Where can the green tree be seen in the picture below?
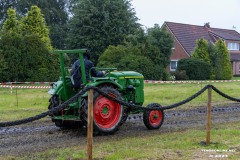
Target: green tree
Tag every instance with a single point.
(10, 44)
(127, 57)
(11, 24)
(148, 53)
(97, 24)
(160, 45)
(4, 6)
(34, 23)
(193, 69)
(3, 65)
(156, 45)
(56, 15)
(10, 40)
(201, 50)
(25, 54)
(40, 64)
(222, 65)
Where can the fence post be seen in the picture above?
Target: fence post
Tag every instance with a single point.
(209, 106)
(90, 124)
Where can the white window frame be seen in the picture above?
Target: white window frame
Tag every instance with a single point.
(233, 46)
(173, 69)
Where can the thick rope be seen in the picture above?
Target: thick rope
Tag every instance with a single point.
(84, 90)
(44, 114)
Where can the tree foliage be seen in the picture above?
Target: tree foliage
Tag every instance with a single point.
(126, 57)
(3, 65)
(217, 55)
(194, 69)
(97, 24)
(222, 65)
(202, 50)
(54, 11)
(159, 45)
(147, 53)
(34, 23)
(24, 53)
(11, 24)
(4, 6)
(155, 44)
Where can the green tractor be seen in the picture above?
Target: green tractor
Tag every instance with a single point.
(108, 115)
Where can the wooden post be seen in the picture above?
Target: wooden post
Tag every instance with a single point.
(90, 124)
(209, 106)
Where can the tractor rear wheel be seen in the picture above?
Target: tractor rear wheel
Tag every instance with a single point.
(153, 119)
(107, 113)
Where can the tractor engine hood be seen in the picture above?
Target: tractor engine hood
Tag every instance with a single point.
(125, 75)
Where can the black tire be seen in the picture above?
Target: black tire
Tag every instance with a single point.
(107, 114)
(63, 124)
(153, 119)
(68, 124)
(54, 102)
(125, 115)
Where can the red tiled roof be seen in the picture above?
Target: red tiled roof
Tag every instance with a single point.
(226, 34)
(187, 34)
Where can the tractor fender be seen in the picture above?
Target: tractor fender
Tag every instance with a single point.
(57, 87)
(105, 83)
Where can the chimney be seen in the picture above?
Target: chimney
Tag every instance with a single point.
(207, 25)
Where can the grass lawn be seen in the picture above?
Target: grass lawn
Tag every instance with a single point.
(185, 144)
(167, 94)
(22, 103)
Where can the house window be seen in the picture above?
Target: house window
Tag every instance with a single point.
(173, 65)
(233, 46)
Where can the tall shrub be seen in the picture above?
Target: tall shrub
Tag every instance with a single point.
(129, 58)
(25, 52)
(201, 50)
(194, 69)
(222, 65)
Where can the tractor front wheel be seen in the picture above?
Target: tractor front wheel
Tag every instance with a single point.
(54, 102)
(153, 119)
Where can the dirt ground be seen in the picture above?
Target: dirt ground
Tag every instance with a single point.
(42, 135)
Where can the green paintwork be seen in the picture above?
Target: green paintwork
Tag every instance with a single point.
(129, 83)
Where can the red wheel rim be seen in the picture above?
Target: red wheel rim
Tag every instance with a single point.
(155, 117)
(106, 112)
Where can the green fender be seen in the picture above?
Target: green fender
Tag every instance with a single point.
(105, 83)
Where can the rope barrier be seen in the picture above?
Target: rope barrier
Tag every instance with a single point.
(44, 114)
(74, 98)
(30, 87)
(10, 83)
(145, 81)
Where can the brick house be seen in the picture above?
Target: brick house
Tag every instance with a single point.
(185, 36)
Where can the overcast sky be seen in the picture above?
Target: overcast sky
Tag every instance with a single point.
(220, 13)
